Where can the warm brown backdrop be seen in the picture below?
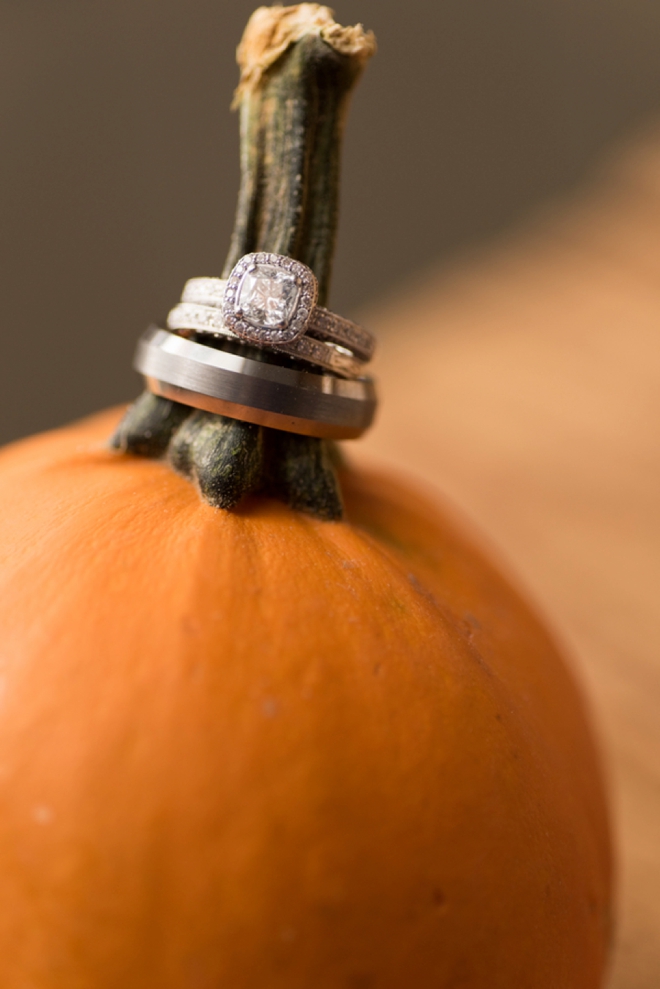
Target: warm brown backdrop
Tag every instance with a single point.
(118, 170)
(531, 394)
(527, 382)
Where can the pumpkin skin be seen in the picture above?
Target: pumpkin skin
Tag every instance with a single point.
(251, 749)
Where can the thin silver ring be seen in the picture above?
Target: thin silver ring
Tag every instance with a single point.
(255, 391)
(210, 320)
(323, 324)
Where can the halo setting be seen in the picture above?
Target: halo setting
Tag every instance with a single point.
(269, 299)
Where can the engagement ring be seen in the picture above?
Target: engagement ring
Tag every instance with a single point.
(270, 301)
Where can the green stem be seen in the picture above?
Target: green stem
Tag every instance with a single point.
(292, 119)
(291, 129)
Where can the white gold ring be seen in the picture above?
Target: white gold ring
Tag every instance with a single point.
(256, 391)
(211, 320)
(270, 300)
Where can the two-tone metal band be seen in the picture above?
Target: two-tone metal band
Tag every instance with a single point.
(255, 391)
(323, 324)
(209, 319)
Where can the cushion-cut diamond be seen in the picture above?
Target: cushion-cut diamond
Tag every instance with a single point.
(268, 296)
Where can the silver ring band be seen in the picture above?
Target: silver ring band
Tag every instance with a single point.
(255, 391)
(323, 324)
(210, 319)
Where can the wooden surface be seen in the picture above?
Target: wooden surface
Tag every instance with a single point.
(525, 384)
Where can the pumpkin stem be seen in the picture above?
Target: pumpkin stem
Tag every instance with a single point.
(298, 68)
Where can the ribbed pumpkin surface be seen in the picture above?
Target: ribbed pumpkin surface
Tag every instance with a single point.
(256, 750)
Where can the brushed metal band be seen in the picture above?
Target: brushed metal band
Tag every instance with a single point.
(323, 324)
(210, 320)
(255, 391)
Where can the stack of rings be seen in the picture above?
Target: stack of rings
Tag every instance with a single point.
(269, 302)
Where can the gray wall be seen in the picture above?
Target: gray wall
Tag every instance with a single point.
(118, 171)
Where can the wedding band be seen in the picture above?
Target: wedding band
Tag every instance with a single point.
(270, 300)
(255, 391)
(323, 324)
(210, 320)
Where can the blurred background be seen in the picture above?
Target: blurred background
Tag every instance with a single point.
(500, 231)
(119, 168)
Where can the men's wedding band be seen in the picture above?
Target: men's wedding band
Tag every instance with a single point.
(313, 404)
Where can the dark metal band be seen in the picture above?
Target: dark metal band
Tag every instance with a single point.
(255, 391)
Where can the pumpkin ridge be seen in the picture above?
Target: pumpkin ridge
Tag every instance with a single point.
(270, 742)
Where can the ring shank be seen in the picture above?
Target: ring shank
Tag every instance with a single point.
(323, 324)
(209, 320)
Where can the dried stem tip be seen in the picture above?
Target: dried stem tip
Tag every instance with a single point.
(271, 30)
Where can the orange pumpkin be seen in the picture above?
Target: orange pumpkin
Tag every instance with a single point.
(254, 750)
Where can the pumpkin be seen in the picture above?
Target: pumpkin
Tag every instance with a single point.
(253, 748)
(246, 743)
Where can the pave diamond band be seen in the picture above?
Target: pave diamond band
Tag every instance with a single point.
(323, 324)
(270, 300)
(240, 387)
(211, 320)
(265, 312)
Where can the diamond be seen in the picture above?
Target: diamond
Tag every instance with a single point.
(268, 303)
(268, 296)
